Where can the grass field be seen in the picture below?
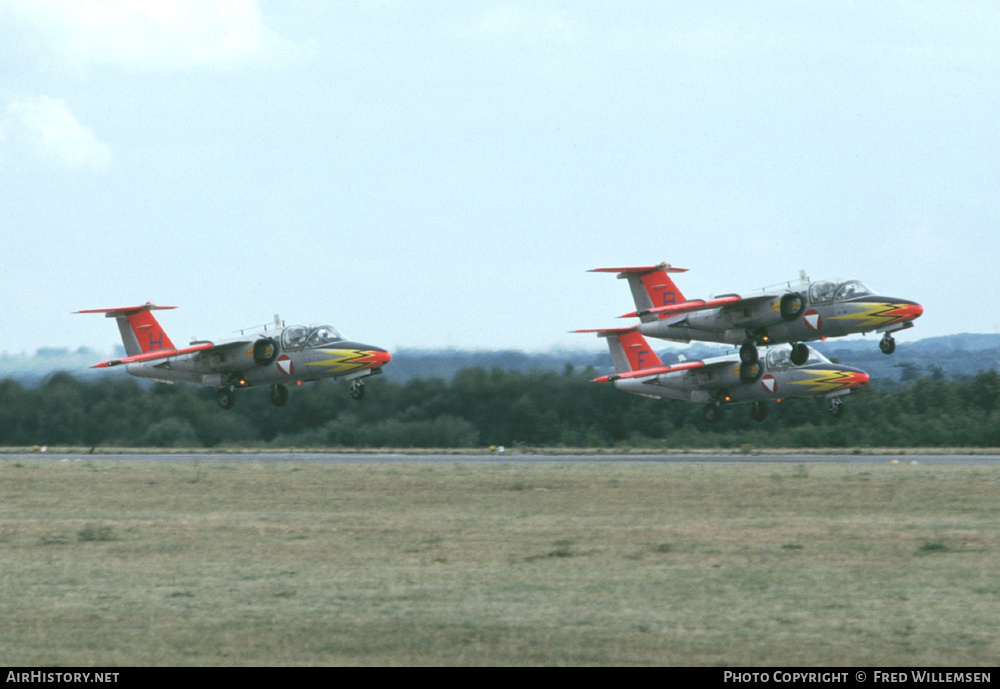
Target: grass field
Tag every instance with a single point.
(249, 563)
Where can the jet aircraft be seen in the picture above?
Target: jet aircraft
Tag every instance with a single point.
(812, 310)
(291, 355)
(719, 380)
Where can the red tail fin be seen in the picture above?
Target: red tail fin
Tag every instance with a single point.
(651, 285)
(629, 349)
(141, 332)
(638, 352)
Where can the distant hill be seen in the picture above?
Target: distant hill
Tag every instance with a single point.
(950, 356)
(32, 369)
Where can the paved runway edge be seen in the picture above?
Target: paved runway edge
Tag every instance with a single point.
(496, 457)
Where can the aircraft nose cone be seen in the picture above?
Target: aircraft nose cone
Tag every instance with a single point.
(890, 310)
(378, 356)
(906, 310)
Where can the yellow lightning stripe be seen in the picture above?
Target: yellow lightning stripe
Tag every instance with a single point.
(874, 315)
(827, 381)
(344, 360)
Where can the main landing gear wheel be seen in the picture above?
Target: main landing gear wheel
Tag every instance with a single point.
(225, 398)
(357, 389)
(279, 395)
(836, 408)
(887, 344)
(800, 353)
(748, 353)
(712, 412)
(758, 411)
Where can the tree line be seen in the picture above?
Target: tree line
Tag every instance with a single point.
(481, 407)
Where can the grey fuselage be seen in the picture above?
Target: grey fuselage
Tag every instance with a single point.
(719, 380)
(830, 309)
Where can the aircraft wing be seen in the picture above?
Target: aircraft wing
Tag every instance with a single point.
(157, 354)
(170, 351)
(653, 371)
(692, 305)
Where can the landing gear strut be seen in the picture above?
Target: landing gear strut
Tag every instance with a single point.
(225, 398)
(836, 408)
(712, 412)
(279, 395)
(750, 368)
(748, 353)
(357, 389)
(887, 344)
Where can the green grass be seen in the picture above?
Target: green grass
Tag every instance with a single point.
(248, 563)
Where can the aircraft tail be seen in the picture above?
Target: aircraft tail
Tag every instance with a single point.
(651, 286)
(629, 350)
(141, 332)
(634, 358)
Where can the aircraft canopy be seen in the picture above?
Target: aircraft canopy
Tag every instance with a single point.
(297, 336)
(841, 290)
(781, 357)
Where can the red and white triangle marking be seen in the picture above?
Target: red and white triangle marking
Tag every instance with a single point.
(769, 383)
(285, 365)
(812, 319)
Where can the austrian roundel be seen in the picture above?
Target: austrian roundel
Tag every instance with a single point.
(285, 365)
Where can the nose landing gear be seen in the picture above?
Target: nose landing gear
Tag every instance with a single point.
(225, 398)
(712, 412)
(357, 389)
(887, 344)
(279, 395)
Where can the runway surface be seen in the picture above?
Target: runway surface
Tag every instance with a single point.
(514, 458)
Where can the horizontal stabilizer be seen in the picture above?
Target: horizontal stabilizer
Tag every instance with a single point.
(606, 332)
(141, 332)
(640, 270)
(127, 310)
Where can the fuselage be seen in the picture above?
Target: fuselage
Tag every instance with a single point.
(828, 308)
(298, 354)
(778, 378)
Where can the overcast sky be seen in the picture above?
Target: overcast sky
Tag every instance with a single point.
(443, 174)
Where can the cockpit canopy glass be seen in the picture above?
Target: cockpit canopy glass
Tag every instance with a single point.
(309, 336)
(781, 357)
(841, 290)
(852, 290)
